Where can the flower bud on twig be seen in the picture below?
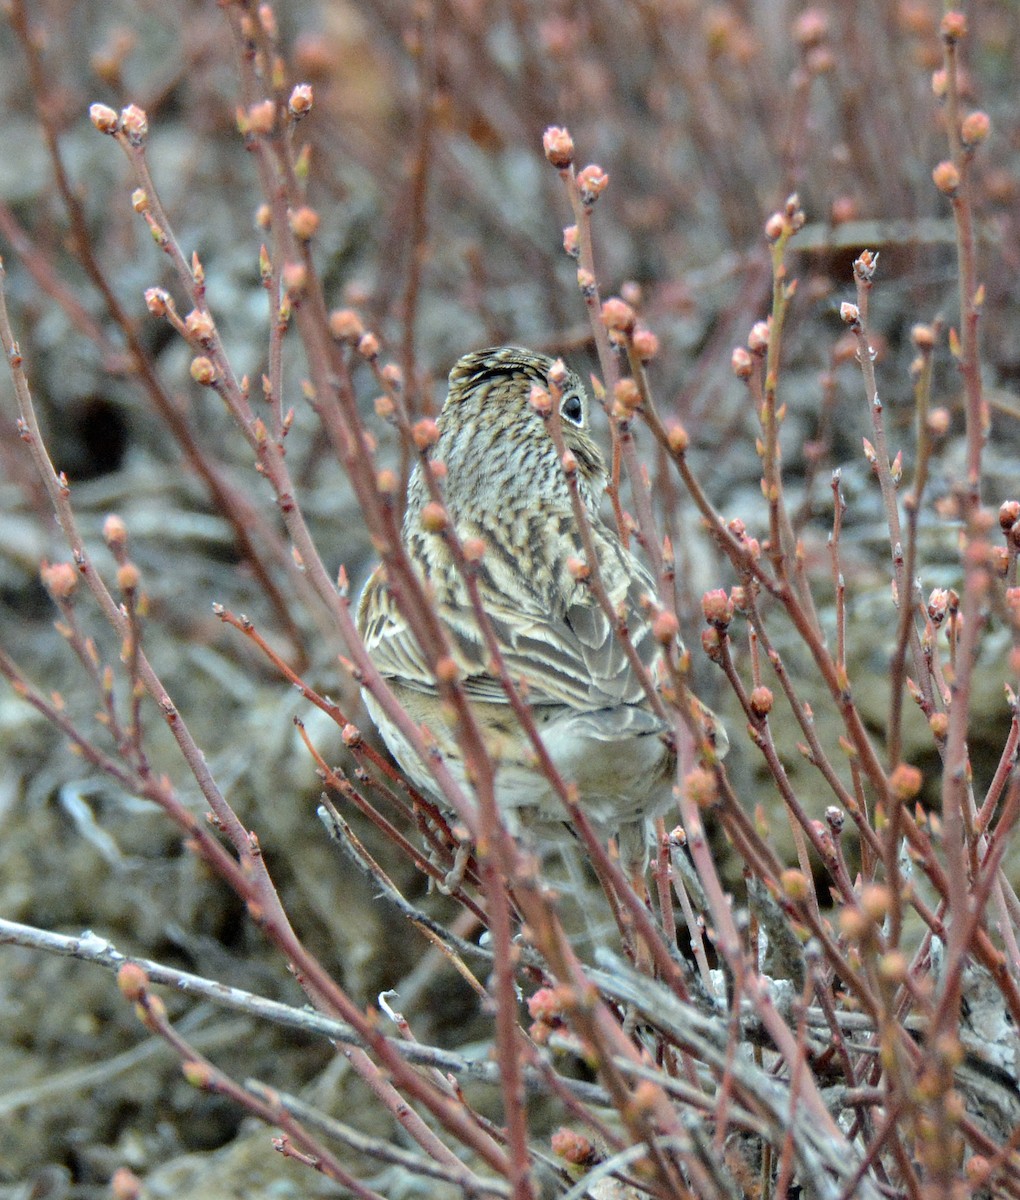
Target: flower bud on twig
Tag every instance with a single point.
(540, 400)
(617, 314)
(203, 371)
(345, 325)
(104, 118)
(975, 129)
(304, 223)
(646, 344)
(558, 146)
(59, 579)
(591, 183)
(434, 518)
(665, 628)
(573, 1147)
(135, 124)
(700, 785)
(717, 608)
(946, 178)
(199, 325)
(300, 102)
(260, 118)
(954, 26)
(115, 533)
(678, 438)
(758, 338)
(741, 362)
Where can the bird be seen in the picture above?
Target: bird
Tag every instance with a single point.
(505, 486)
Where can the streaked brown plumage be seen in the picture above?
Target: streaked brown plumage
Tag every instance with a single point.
(505, 485)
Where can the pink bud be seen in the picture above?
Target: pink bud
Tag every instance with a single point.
(558, 146)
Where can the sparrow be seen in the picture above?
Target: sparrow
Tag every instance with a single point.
(504, 484)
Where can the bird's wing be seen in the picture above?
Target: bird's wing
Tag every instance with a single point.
(566, 649)
(556, 642)
(388, 639)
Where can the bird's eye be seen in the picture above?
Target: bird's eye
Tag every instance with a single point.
(573, 410)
